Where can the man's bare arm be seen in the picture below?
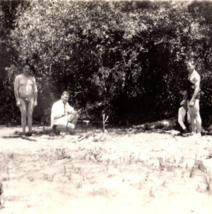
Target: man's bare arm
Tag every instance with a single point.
(181, 118)
(35, 92)
(196, 88)
(16, 87)
(58, 117)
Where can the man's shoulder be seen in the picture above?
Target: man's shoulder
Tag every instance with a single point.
(197, 77)
(32, 77)
(182, 109)
(59, 102)
(19, 76)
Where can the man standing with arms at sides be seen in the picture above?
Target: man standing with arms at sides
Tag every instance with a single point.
(25, 90)
(63, 116)
(193, 98)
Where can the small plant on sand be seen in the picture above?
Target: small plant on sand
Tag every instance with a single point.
(11, 155)
(8, 174)
(161, 164)
(147, 176)
(192, 171)
(1, 192)
(208, 182)
(164, 183)
(64, 170)
(48, 177)
(61, 153)
(151, 194)
(79, 185)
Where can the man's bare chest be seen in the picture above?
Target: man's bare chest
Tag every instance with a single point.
(26, 82)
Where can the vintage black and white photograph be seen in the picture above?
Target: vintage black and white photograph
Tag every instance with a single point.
(105, 107)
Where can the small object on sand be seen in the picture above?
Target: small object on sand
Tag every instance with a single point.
(98, 137)
(86, 122)
(101, 137)
(1, 191)
(209, 156)
(82, 137)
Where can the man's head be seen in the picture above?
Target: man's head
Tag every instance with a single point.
(26, 69)
(65, 96)
(190, 66)
(182, 103)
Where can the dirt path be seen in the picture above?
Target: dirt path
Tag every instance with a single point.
(126, 173)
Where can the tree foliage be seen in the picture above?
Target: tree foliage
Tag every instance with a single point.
(127, 58)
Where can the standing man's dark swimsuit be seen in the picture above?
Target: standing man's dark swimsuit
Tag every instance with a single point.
(190, 90)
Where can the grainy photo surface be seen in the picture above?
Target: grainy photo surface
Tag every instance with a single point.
(105, 107)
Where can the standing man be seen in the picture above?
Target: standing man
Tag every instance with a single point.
(63, 116)
(193, 98)
(25, 90)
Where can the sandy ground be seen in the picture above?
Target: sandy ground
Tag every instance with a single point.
(126, 172)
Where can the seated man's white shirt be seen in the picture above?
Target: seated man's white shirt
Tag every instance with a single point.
(181, 117)
(59, 109)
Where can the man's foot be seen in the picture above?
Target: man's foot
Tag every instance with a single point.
(29, 134)
(204, 132)
(196, 135)
(72, 132)
(185, 133)
(71, 126)
(56, 132)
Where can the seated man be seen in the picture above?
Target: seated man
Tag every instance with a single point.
(63, 116)
(171, 123)
(184, 119)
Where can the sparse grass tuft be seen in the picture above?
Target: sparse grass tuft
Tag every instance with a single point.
(208, 183)
(151, 193)
(11, 155)
(164, 183)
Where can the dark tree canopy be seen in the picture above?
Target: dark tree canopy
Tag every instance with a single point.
(127, 58)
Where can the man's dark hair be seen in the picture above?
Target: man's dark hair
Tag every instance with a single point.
(32, 68)
(26, 64)
(190, 62)
(65, 93)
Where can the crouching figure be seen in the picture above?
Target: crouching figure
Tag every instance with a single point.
(63, 116)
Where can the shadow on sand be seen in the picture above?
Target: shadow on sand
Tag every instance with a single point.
(19, 136)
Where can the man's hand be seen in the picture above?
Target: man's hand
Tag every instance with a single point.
(79, 111)
(35, 103)
(18, 102)
(191, 103)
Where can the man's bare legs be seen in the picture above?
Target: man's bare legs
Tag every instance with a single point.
(196, 122)
(73, 118)
(26, 109)
(30, 113)
(67, 123)
(23, 111)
